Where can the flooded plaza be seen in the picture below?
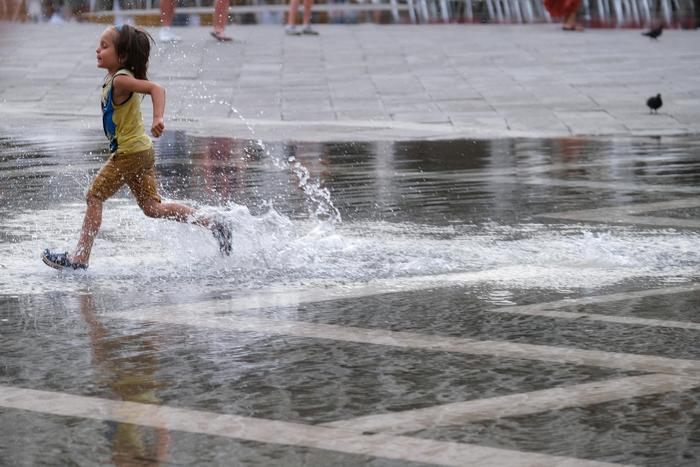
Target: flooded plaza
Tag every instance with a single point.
(461, 302)
(445, 252)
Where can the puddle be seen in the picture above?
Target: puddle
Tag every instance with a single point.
(337, 213)
(452, 226)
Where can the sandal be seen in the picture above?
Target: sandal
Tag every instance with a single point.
(219, 36)
(222, 234)
(60, 261)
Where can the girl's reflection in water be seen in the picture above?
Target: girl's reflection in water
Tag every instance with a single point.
(224, 164)
(129, 365)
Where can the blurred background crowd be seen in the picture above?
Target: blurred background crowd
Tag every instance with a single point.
(592, 13)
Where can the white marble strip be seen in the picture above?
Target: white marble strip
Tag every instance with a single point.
(607, 185)
(524, 179)
(613, 297)
(292, 297)
(641, 208)
(204, 319)
(550, 309)
(629, 214)
(518, 404)
(604, 318)
(278, 432)
(541, 175)
(629, 219)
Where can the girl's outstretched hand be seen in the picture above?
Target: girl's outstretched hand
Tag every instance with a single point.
(158, 126)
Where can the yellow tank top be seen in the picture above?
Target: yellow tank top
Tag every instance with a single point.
(123, 124)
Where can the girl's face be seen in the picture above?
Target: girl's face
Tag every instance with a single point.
(107, 52)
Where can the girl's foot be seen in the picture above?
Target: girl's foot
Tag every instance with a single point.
(60, 261)
(221, 37)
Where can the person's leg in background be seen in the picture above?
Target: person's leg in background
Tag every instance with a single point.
(306, 28)
(220, 20)
(291, 27)
(167, 13)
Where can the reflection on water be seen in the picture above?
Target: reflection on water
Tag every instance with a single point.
(407, 209)
(415, 215)
(128, 364)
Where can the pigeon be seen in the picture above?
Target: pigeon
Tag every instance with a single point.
(654, 103)
(654, 33)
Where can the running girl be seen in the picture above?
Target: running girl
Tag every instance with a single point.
(124, 51)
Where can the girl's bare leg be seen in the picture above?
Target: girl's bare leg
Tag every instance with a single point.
(91, 225)
(182, 213)
(178, 212)
(174, 211)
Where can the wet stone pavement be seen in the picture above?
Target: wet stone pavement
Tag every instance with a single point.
(476, 302)
(397, 300)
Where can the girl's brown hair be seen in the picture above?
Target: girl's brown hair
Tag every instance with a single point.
(133, 48)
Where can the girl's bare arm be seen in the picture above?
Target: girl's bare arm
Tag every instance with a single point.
(125, 85)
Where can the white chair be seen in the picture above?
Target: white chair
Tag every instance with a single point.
(644, 11)
(495, 10)
(469, 10)
(527, 11)
(445, 11)
(619, 13)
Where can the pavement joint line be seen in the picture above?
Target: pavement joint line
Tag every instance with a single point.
(527, 177)
(532, 178)
(459, 413)
(278, 432)
(614, 185)
(629, 214)
(550, 309)
(537, 176)
(436, 343)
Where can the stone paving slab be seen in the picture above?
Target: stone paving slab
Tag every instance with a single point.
(401, 365)
(401, 81)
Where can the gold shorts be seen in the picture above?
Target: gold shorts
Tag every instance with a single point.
(137, 170)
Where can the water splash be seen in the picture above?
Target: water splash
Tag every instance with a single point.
(272, 250)
(317, 196)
